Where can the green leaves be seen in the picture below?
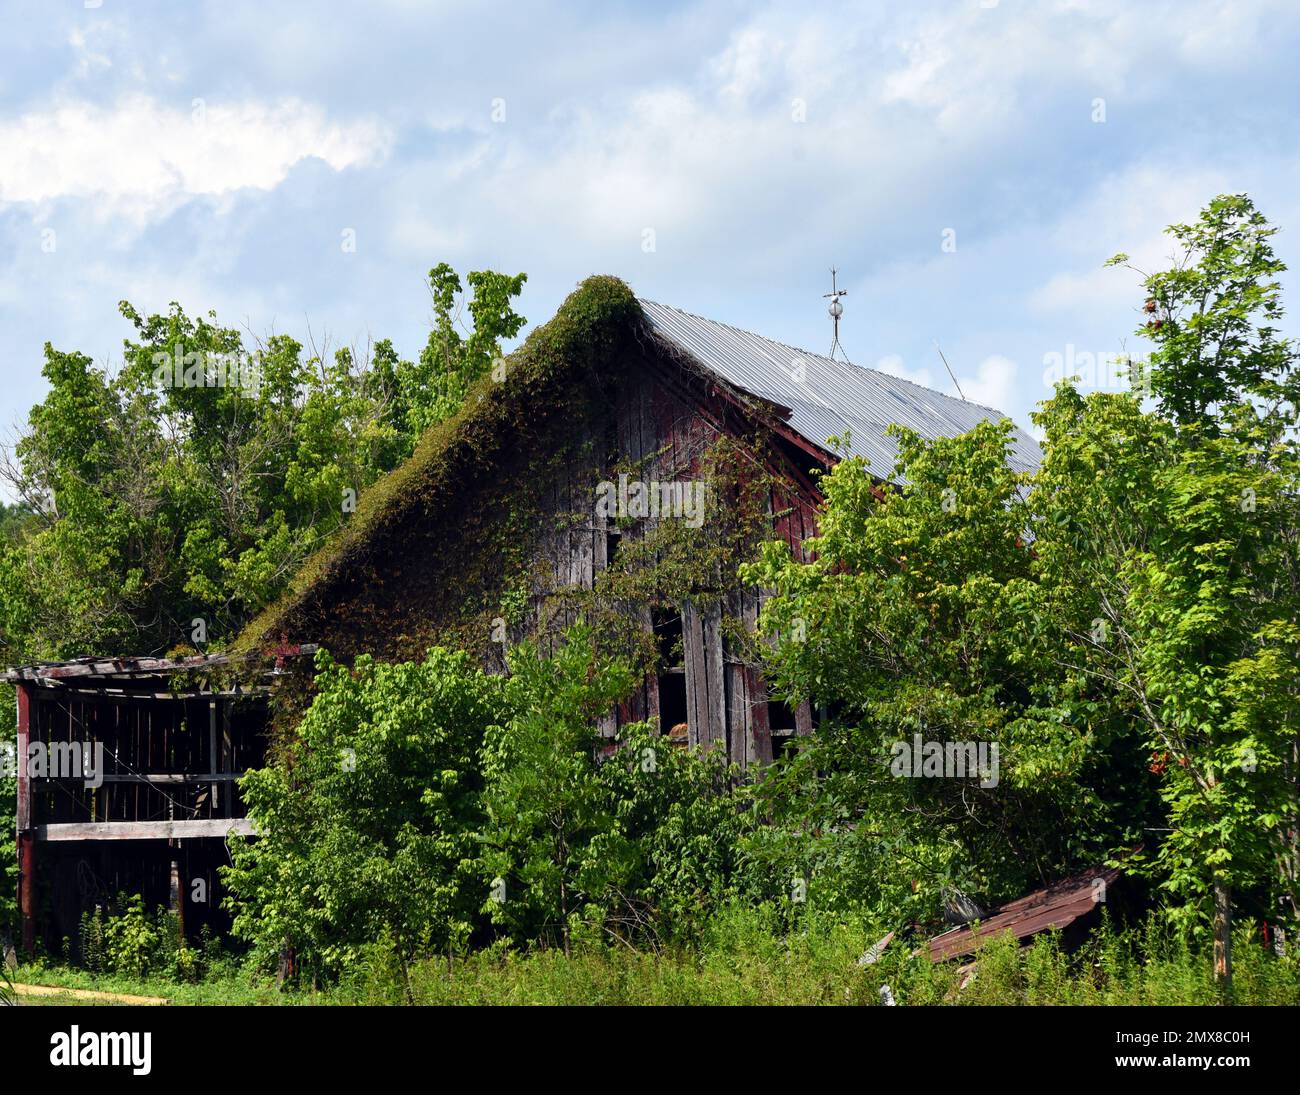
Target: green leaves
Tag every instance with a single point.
(1145, 641)
(922, 616)
(369, 822)
(1177, 529)
(1219, 362)
(428, 804)
(192, 483)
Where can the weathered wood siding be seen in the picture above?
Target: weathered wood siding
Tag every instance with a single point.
(665, 432)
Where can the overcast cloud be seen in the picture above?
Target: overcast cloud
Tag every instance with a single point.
(216, 154)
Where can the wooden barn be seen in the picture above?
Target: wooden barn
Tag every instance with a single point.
(615, 467)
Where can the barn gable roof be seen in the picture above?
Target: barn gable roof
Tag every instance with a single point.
(828, 398)
(571, 353)
(580, 349)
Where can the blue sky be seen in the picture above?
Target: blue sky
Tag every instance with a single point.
(215, 154)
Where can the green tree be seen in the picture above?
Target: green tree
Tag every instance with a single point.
(687, 817)
(421, 394)
(1159, 557)
(1147, 641)
(1168, 540)
(368, 820)
(1219, 361)
(1128, 635)
(191, 483)
(630, 837)
(915, 618)
(553, 849)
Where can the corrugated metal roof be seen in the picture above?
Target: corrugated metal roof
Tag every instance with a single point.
(828, 398)
(1054, 906)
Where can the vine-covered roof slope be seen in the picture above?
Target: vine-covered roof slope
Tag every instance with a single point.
(570, 360)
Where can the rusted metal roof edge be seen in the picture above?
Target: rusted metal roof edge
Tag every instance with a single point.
(1054, 906)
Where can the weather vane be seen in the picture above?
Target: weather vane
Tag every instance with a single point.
(836, 310)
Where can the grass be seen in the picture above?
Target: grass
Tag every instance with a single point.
(739, 967)
(232, 986)
(741, 963)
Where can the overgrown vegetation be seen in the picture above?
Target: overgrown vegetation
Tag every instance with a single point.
(1119, 632)
(746, 957)
(165, 503)
(440, 809)
(1127, 634)
(468, 496)
(131, 941)
(747, 960)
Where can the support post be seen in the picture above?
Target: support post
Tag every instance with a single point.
(227, 758)
(176, 897)
(1223, 937)
(214, 765)
(26, 835)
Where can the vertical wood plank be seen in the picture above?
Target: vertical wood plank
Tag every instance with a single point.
(697, 706)
(715, 703)
(760, 719)
(227, 760)
(737, 724)
(213, 764)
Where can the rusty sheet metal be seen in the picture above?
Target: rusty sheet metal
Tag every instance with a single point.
(1055, 906)
(826, 397)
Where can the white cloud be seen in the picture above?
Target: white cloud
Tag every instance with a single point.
(744, 64)
(993, 384)
(92, 56)
(1127, 211)
(145, 158)
(918, 117)
(893, 365)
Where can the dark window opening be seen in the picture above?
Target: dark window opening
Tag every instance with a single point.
(668, 634)
(672, 705)
(830, 714)
(667, 624)
(782, 721)
(780, 717)
(785, 747)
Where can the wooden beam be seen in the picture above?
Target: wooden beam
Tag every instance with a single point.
(116, 667)
(227, 759)
(53, 692)
(214, 761)
(716, 704)
(176, 897)
(697, 689)
(26, 838)
(125, 668)
(24, 740)
(144, 830)
(168, 777)
(27, 889)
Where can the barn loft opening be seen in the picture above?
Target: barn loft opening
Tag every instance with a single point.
(667, 623)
